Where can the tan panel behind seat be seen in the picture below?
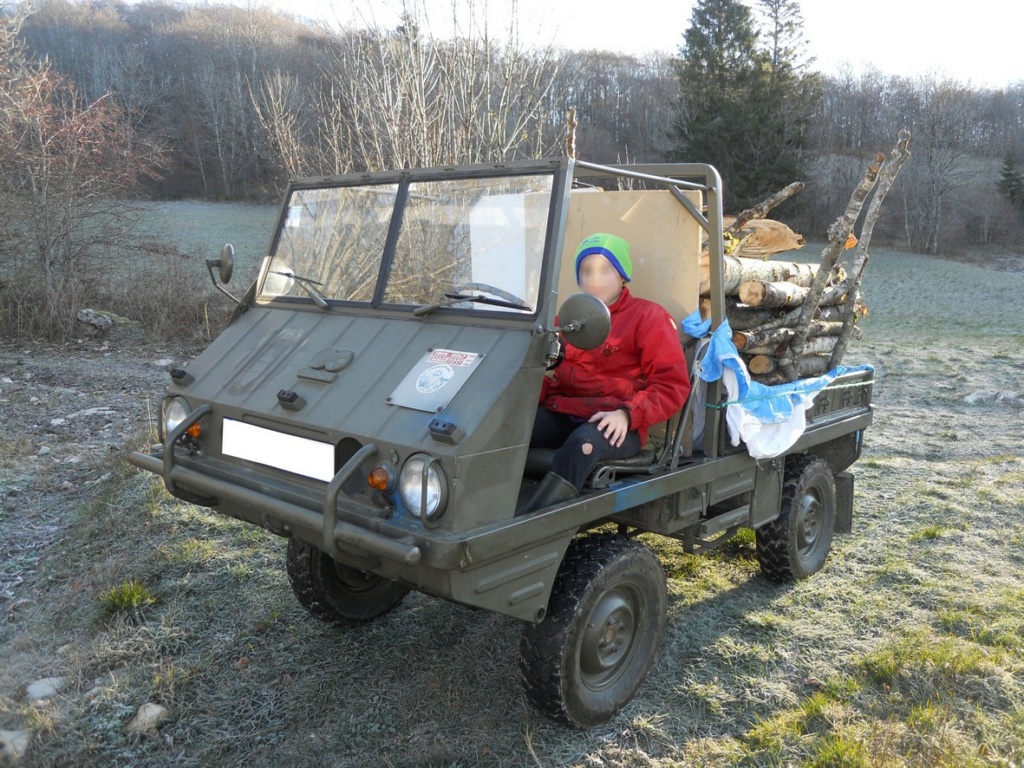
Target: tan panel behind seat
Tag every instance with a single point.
(664, 246)
(664, 243)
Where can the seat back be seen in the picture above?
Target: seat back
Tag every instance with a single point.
(664, 243)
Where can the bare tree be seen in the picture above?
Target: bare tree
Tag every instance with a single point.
(942, 120)
(65, 167)
(403, 98)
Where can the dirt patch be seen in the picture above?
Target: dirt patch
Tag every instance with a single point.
(70, 413)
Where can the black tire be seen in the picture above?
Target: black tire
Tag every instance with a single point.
(796, 544)
(337, 593)
(605, 619)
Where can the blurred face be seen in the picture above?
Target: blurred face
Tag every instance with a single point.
(599, 278)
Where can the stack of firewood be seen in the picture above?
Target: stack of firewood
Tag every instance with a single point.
(792, 320)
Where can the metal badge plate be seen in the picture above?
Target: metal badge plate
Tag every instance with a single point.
(435, 380)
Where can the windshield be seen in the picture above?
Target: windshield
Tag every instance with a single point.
(333, 237)
(460, 237)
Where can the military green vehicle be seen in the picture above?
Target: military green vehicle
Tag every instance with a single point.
(373, 396)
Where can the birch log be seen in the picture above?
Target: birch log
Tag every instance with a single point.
(748, 318)
(838, 235)
(737, 270)
(834, 295)
(772, 350)
(762, 338)
(756, 293)
(812, 365)
(887, 176)
(820, 345)
(761, 210)
(761, 364)
(835, 314)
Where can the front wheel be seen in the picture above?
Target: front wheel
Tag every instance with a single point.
(337, 593)
(796, 543)
(605, 619)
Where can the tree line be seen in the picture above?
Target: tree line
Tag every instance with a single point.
(240, 99)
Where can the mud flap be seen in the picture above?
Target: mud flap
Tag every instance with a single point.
(844, 503)
(766, 501)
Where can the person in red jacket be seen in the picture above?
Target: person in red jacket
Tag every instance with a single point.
(601, 402)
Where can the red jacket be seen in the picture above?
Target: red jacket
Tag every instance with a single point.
(640, 367)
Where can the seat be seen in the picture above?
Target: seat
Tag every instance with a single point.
(671, 446)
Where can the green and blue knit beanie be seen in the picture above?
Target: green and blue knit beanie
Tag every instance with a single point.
(612, 247)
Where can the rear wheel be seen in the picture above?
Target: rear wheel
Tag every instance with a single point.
(337, 593)
(795, 545)
(605, 619)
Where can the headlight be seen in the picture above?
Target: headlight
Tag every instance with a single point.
(175, 411)
(411, 484)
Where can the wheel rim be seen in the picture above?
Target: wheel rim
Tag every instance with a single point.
(353, 579)
(609, 637)
(810, 523)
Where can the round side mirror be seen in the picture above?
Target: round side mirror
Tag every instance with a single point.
(227, 263)
(585, 321)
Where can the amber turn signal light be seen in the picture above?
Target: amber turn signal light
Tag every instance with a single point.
(195, 431)
(380, 479)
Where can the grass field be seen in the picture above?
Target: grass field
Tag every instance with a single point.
(203, 228)
(907, 650)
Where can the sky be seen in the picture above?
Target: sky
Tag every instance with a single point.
(971, 42)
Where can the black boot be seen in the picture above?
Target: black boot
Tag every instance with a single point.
(552, 489)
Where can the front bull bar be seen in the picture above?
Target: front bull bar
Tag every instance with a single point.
(326, 522)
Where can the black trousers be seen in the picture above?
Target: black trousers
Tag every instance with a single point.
(569, 436)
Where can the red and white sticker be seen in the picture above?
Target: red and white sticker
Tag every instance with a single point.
(452, 357)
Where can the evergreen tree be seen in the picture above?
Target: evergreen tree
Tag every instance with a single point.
(782, 26)
(718, 67)
(1011, 180)
(745, 97)
(790, 95)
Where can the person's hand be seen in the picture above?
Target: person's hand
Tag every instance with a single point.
(613, 425)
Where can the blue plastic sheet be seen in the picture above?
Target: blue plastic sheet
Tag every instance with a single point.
(754, 406)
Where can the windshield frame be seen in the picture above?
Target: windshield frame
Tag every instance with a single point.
(557, 169)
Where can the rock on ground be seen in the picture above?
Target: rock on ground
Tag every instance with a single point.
(13, 744)
(46, 688)
(991, 398)
(149, 717)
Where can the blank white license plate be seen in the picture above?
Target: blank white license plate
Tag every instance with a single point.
(309, 458)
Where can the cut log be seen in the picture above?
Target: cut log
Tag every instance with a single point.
(834, 295)
(756, 293)
(756, 337)
(737, 270)
(812, 365)
(761, 210)
(820, 345)
(772, 350)
(743, 318)
(834, 314)
(761, 364)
